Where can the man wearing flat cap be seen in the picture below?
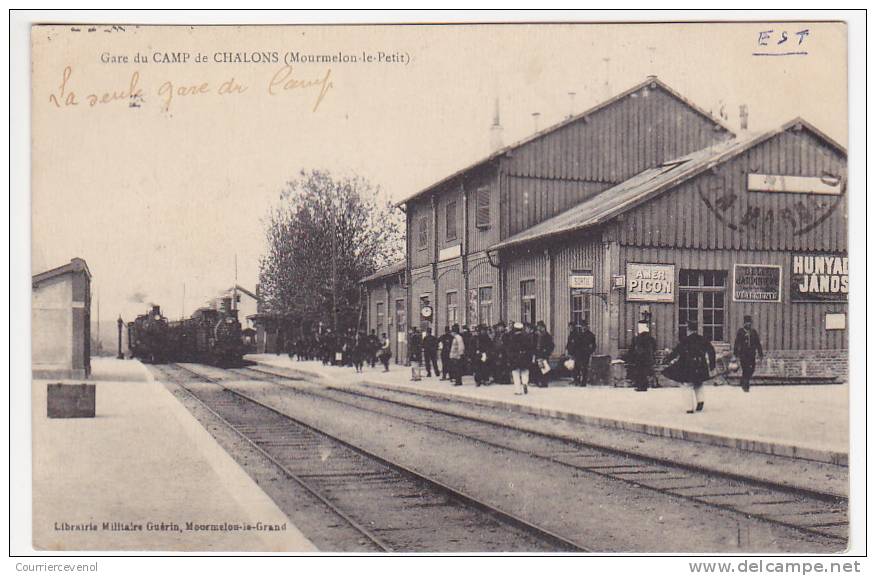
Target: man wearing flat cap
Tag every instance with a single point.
(745, 347)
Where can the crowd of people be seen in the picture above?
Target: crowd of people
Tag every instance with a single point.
(496, 354)
(519, 354)
(353, 348)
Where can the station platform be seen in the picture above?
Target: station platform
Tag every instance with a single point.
(146, 464)
(803, 422)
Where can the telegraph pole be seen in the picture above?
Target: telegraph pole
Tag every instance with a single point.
(120, 323)
(98, 319)
(334, 276)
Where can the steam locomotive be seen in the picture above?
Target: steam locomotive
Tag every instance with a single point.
(209, 336)
(147, 336)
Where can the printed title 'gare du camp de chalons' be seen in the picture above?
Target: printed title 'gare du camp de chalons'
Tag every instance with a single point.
(644, 208)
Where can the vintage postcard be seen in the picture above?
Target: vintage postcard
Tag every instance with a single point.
(461, 288)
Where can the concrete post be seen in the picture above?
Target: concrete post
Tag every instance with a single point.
(552, 299)
(464, 252)
(611, 266)
(435, 297)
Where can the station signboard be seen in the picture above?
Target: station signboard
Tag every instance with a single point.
(819, 278)
(581, 280)
(650, 282)
(757, 283)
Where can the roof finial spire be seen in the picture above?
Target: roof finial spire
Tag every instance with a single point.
(496, 129)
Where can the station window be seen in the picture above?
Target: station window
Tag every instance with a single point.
(527, 301)
(451, 221)
(423, 232)
(452, 308)
(482, 208)
(702, 296)
(485, 305)
(400, 317)
(380, 317)
(580, 306)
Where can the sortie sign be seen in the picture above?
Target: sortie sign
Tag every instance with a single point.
(757, 283)
(650, 282)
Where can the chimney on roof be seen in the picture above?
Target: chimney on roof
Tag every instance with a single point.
(743, 116)
(571, 104)
(535, 116)
(496, 142)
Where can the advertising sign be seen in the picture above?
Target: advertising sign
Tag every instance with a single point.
(473, 306)
(757, 283)
(650, 282)
(819, 278)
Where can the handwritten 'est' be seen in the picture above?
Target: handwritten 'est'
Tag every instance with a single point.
(782, 42)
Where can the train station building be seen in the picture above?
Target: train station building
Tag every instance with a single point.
(643, 209)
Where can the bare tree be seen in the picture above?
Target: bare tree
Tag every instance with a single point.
(325, 235)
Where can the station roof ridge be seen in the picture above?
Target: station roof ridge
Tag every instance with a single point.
(650, 80)
(388, 270)
(649, 183)
(75, 265)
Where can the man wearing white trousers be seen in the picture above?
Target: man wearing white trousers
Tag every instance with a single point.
(696, 357)
(520, 350)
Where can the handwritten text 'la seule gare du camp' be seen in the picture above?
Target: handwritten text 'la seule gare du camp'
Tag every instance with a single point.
(69, 93)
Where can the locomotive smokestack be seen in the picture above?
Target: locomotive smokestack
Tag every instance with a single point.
(156, 310)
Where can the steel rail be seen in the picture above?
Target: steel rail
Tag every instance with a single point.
(293, 476)
(495, 512)
(828, 497)
(659, 462)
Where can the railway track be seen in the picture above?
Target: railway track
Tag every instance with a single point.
(390, 506)
(818, 515)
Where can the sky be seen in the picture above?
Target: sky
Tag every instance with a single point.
(163, 195)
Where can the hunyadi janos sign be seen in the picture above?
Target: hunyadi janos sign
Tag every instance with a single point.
(819, 278)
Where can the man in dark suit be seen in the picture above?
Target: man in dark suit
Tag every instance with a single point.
(445, 341)
(430, 352)
(581, 346)
(544, 347)
(640, 359)
(745, 348)
(483, 356)
(696, 357)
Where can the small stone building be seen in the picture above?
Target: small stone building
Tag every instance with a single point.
(61, 322)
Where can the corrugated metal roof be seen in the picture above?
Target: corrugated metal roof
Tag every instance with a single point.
(589, 112)
(645, 185)
(394, 268)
